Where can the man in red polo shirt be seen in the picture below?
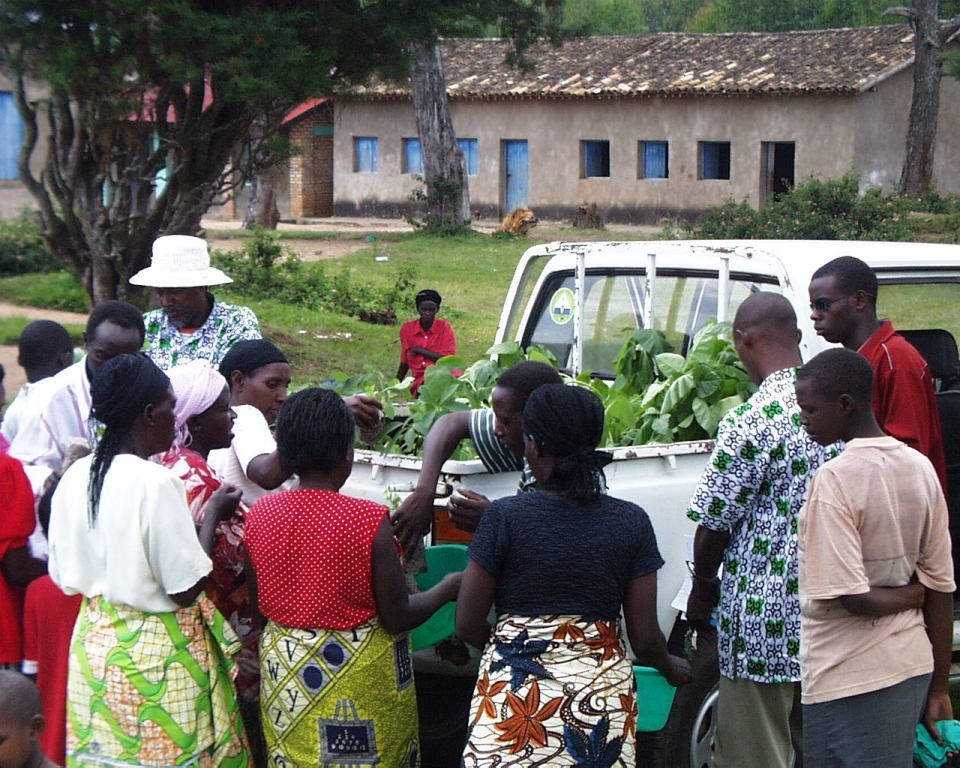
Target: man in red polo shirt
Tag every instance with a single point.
(843, 304)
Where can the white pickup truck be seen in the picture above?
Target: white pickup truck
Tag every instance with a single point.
(583, 300)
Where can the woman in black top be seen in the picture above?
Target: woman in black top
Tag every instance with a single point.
(556, 686)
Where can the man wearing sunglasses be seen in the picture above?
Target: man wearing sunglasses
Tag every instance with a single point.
(843, 307)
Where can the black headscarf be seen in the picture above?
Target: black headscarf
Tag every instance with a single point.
(248, 355)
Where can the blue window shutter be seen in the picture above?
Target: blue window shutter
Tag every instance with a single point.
(470, 149)
(412, 156)
(11, 137)
(596, 159)
(654, 159)
(365, 154)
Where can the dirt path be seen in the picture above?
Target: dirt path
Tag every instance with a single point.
(15, 376)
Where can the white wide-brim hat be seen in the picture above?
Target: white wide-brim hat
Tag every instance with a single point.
(179, 261)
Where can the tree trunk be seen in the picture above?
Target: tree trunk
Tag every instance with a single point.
(916, 176)
(262, 209)
(444, 170)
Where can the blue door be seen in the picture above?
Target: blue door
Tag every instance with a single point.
(514, 174)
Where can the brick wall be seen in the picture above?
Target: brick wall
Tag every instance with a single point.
(311, 166)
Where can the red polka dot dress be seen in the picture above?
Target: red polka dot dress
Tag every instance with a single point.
(336, 688)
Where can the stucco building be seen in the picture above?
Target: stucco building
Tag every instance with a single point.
(646, 127)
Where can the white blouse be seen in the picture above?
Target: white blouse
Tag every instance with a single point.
(143, 545)
(251, 438)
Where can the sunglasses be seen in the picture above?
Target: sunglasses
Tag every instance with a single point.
(823, 305)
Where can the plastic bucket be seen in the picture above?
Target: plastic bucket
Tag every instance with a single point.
(654, 699)
(441, 560)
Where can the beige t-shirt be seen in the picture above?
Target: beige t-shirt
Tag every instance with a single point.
(875, 515)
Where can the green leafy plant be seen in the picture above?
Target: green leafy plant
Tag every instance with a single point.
(22, 250)
(833, 209)
(658, 396)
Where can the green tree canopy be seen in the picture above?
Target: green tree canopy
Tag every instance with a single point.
(148, 102)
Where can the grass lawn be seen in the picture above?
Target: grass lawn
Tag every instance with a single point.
(472, 273)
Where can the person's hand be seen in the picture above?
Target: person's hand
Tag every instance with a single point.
(700, 604)
(451, 585)
(366, 411)
(938, 708)
(224, 501)
(466, 508)
(412, 520)
(678, 671)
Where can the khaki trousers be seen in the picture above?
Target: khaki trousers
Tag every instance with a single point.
(758, 725)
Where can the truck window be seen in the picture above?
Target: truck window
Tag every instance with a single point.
(917, 306)
(683, 302)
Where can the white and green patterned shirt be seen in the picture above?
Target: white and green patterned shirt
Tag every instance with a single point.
(225, 326)
(753, 487)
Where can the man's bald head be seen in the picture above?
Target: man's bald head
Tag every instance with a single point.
(19, 698)
(765, 335)
(767, 314)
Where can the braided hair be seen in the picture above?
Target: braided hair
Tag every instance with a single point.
(120, 391)
(567, 423)
(315, 429)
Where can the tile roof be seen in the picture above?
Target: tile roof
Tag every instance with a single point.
(674, 63)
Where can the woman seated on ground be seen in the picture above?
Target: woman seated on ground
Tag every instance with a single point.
(204, 422)
(122, 536)
(425, 340)
(555, 682)
(336, 675)
(258, 375)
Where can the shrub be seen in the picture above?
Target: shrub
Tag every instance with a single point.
(264, 269)
(815, 210)
(22, 250)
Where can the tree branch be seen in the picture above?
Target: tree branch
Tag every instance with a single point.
(900, 10)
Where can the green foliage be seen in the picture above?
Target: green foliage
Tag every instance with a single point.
(441, 200)
(264, 269)
(657, 396)
(605, 17)
(57, 290)
(22, 250)
(814, 210)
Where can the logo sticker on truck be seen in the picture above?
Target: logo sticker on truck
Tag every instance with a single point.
(561, 306)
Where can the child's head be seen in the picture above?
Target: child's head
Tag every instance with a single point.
(834, 392)
(562, 426)
(21, 721)
(315, 433)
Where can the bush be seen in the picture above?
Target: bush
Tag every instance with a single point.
(22, 250)
(58, 290)
(264, 269)
(815, 210)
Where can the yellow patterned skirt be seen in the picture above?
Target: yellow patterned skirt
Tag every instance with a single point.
(338, 697)
(553, 690)
(153, 689)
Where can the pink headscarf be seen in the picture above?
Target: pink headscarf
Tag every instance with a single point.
(196, 385)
